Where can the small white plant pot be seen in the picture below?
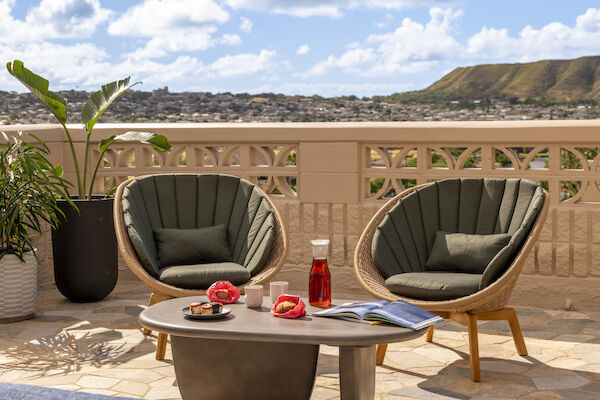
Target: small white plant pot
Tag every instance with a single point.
(18, 287)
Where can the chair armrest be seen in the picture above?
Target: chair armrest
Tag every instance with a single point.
(497, 266)
(141, 235)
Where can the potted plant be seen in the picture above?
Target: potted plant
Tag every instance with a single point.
(84, 247)
(29, 187)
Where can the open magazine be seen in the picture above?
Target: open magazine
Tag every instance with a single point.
(398, 313)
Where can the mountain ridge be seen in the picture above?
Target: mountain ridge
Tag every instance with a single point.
(556, 80)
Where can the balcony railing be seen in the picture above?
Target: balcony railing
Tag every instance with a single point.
(329, 179)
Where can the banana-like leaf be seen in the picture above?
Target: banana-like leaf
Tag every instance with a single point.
(39, 87)
(99, 101)
(159, 142)
(58, 171)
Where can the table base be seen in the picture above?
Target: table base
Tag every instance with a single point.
(210, 369)
(357, 373)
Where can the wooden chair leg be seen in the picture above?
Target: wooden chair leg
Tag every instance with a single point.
(381, 349)
(469, 320)
(429, 336)
(517, 335)
(473, 347)
(161, 346)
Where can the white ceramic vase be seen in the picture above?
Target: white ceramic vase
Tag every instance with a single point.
(18, 287)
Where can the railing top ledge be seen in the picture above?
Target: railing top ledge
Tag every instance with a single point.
(546, 131)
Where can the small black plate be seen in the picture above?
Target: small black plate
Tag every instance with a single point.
(187, 313)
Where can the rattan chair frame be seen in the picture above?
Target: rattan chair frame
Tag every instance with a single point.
(484, 305)
(275, 262)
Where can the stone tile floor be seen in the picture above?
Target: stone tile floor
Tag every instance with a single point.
(99, 348)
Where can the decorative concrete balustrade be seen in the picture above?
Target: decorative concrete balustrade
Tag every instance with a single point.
(329, 179)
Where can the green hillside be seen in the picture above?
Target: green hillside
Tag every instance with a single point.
(554, 80)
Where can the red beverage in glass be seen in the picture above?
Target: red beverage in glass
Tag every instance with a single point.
(319, 284)
(319, 281)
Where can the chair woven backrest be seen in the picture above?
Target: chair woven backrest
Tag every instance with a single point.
(187, 201)
(403, 239)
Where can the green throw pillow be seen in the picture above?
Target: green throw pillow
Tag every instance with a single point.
(462, 252)
(192, 246)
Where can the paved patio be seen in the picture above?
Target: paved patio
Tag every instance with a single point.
(99, 348)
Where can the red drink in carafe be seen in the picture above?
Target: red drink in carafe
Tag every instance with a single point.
(319, 282)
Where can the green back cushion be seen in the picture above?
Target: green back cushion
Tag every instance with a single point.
(404, 239)
(192, 246)
(197, 201)
(463, 252)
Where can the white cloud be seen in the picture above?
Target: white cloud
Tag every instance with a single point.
(325, 8)
(554, 40)
(243, 64)
(171, 25)
(298, 8)
(303, 49)
(87, 67)
(412, 47)
(246, 25)
(386, 21)
(590, 21)
(328, 89)
(51, 19)
(161, 46)
(68, 18)
(66, 66)
(152, 17)
(350, 62)
(231, 39)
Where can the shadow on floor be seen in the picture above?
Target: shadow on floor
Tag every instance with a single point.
(70, 350)
(501, 378)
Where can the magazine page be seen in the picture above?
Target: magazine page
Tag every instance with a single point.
(404, 314)
(352, 310)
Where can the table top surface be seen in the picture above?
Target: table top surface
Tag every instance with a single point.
(257, 324)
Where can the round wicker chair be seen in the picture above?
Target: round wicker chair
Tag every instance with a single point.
(489, 303)
(161, 290)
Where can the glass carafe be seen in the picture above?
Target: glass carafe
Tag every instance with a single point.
(319, 282)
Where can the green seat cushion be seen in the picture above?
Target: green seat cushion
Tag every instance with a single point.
(463, 252)
(433, 285)
(192, 246)
(201, 276)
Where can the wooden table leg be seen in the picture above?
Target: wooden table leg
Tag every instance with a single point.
(357, 373)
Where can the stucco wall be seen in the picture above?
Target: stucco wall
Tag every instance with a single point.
(325, 192)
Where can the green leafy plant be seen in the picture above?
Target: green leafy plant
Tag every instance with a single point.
(29, 187)
(92, 110)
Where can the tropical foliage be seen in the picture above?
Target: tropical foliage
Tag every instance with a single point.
(92, 110)
(29, 187)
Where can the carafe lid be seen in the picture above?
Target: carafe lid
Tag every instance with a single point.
(320, 248)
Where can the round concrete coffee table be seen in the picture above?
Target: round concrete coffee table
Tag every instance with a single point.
(252, 355)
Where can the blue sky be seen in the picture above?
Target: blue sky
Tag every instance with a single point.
(326, 47)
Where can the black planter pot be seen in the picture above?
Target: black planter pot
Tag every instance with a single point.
(85, 250)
